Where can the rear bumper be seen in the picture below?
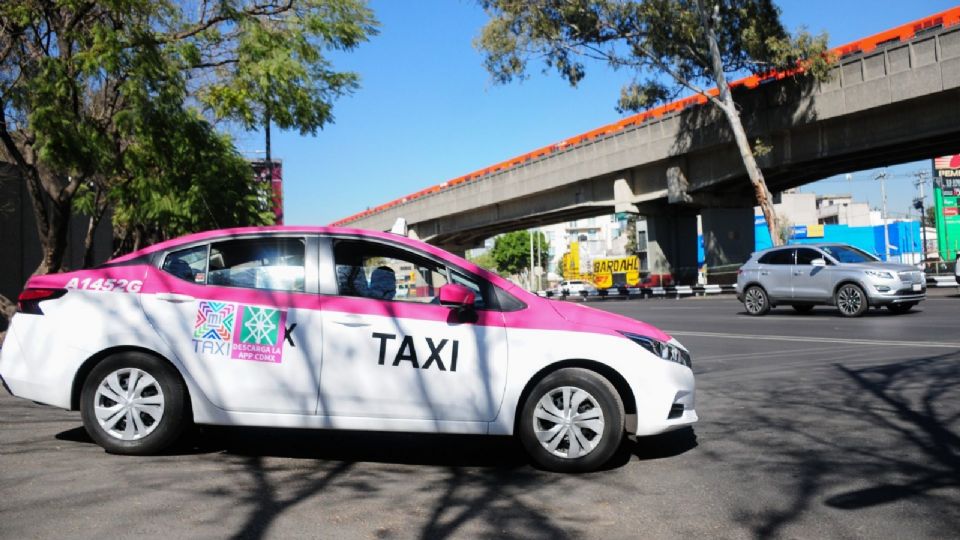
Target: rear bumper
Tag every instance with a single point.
(29, 377)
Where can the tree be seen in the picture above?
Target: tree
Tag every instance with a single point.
(101, 102)
(511, 251)
(485, 260)
(669, 46)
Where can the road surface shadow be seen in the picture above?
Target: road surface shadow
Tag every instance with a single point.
(397, 448)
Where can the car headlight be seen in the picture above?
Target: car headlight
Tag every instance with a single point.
(879, 274)
(666, 351)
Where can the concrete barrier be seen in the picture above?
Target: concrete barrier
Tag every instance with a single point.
(644, 292)
(942, 281)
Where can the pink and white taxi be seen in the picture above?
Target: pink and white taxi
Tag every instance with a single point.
(336, 328)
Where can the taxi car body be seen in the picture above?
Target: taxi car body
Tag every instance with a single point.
(302, 327)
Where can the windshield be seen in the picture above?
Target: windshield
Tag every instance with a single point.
(848, 254)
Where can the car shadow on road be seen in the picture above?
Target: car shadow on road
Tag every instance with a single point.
(395, 448)
(827, 311)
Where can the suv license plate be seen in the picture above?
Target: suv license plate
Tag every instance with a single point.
(917, 286)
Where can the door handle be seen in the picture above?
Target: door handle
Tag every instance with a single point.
(352, 324)
(175, 298)
(352, 321)
(764, 273)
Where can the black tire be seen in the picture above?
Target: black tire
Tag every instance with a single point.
(803, 308)
(604, 396)
(851, 300)
(901, 308)
(166, 386)
(756, 301)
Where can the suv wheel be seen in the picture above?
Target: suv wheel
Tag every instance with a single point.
(572, 421)
(755, 300)
(851, 300)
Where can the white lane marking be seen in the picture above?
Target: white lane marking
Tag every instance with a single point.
(808, 339)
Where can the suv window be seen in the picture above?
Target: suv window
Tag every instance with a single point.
(374, 270)
(275, 264)
(780, 256)
(807, 255)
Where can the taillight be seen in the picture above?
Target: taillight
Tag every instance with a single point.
(29, 300)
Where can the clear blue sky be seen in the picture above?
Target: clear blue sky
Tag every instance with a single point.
(428, 112)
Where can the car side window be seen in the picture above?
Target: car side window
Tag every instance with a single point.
(275, 264)
(805, 256)
(187, 264)
(374, 270)
(779, 257)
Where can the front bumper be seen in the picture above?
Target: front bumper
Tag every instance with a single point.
(3, 383)
(896, 294)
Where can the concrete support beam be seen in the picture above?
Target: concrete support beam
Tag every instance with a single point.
(728, 235)
(672, 244)
(623, 196)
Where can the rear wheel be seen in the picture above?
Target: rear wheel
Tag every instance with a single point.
(901, 308)
(803, 308)
(755, 301)
(134, 403)
(572, 421)
(851, 300)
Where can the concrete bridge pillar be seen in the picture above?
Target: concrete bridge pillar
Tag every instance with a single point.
(672, 246)
(728, 235)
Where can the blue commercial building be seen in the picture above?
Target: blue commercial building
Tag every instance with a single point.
(904, 237)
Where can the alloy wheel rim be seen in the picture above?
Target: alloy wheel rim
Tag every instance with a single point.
(754, 301)
(129, 404)
(849, 300)
(568, 422)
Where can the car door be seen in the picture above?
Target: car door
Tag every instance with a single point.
(776, 273)
(407, 357)
(236, 312)
(814, 283)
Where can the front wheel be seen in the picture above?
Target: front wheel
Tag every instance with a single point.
(134, 403)
(572, 421)
(755, 300)
(901, 308)
(851, 300)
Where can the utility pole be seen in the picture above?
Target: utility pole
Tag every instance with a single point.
(882, 177)
(539, 263)
(919, 205)
(530, 277)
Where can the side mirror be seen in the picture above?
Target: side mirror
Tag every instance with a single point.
(818, 262)
(452, 294)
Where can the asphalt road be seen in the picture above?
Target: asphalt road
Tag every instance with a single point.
(812, 426)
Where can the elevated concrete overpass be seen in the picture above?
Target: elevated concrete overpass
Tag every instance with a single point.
(893, 97)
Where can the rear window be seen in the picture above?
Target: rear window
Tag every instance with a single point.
(275, 264)
(781, 256)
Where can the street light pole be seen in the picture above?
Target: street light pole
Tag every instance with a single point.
(886, 230)
(530, 277)
(921, 183)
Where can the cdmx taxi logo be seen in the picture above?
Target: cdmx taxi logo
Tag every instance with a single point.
(239, 332)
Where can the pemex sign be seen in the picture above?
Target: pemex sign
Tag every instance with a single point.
(946, 192)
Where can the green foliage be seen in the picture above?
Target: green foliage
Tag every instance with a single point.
(113, 102)
(485, 260)
(511, 251)
(663, 44)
